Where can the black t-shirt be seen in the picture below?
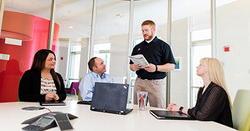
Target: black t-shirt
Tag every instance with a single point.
(156, 52)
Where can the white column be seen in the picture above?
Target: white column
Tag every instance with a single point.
(169, 32)
(130, 35)
(51, 25)
(92, 32)
(1, 13)
(213, 27)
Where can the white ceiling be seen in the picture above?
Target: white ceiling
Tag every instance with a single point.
(112, 18)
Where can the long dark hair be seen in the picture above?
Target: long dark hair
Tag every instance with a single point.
(40, 58)
(39, 63)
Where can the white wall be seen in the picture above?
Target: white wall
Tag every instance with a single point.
(233, 29)
(62, 57)
(179, 79)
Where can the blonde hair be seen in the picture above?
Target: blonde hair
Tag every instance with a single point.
(148, 22)
(216, 73)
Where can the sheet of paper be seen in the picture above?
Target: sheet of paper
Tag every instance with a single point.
(139, 60)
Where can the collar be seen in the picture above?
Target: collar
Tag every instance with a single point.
(102, 76)
(205, 88)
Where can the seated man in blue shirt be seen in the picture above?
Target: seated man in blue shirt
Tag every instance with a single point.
(97, 74)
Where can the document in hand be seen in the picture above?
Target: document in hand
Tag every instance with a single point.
(139, 60)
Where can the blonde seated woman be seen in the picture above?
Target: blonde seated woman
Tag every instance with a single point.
(212, 100)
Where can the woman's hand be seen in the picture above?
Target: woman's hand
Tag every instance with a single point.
(173, 107)
(56, 97)
(51, 97)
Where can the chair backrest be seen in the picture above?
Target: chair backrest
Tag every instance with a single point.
(246, 126)
(241, 108)
(74, 88)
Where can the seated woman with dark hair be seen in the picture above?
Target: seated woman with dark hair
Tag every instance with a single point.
(41, 83)
(213, 103)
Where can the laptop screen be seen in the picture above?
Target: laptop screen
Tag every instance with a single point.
(110, 97)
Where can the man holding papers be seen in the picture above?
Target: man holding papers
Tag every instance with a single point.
(151, 77)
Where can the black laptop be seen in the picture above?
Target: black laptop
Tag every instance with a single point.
(110, 97)
(171, 115)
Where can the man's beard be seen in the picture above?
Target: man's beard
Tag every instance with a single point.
(148, 37)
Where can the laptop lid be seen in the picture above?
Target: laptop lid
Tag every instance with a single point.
(174, 115)
(110, 97)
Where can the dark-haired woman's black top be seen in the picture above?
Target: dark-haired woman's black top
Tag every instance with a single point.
(212, 105)
(30, 86)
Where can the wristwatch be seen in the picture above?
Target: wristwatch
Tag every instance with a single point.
(156, 68)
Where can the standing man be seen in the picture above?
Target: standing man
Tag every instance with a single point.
(97, 74)
(159, 55)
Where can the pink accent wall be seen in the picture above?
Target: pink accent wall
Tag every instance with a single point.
(33, 31)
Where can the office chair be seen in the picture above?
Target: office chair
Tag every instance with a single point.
(246, 125)
(241, 108)
(74, 88)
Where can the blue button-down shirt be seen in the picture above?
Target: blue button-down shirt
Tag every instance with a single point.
(88, 82)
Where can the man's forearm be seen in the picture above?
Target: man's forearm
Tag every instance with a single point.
(166, 67)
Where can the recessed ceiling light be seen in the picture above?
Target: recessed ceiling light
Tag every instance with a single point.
(70, 27)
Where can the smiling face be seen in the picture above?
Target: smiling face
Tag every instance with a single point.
(50, 62)
(148, 32)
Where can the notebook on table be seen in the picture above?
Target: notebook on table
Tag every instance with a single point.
(55, 103)
(171, 115)
(111, 98)
(84, 102)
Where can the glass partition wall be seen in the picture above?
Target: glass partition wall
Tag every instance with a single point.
(143, 11)
(110, 29)
(111, 37)
(74, 18)
(200, 41)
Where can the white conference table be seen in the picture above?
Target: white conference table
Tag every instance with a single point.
(12, 115)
